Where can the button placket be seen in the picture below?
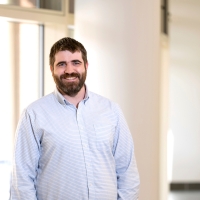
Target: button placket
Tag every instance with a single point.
(86, 152)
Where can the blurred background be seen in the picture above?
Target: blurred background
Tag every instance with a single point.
(144, 55)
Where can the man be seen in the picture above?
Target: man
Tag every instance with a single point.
(73, 144)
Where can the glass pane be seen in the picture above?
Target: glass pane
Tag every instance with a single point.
(45, 4)
(51, 4)
(19, 85)
(71, 6)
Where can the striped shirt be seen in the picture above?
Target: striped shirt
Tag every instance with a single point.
(68, 153)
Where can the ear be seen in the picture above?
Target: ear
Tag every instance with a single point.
(51, 68)
(86, 65)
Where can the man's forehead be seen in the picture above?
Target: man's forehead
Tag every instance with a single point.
(69, 52)
(68, 55)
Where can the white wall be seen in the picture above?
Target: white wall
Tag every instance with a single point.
(123, 43)
(185, 89)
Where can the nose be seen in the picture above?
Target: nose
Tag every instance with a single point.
(69, 68)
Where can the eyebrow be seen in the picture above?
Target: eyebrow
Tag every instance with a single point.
(76, 61)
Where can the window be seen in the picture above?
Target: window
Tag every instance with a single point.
(45, 4)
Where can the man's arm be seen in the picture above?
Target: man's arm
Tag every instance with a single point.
(127, 174)
(25, 162)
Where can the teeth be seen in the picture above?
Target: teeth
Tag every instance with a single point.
(70, 78)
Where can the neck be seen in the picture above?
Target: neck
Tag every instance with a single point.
(77, 98)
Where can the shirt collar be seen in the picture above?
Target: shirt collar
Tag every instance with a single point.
(63, 101)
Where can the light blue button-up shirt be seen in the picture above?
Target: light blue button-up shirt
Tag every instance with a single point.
(68, 153)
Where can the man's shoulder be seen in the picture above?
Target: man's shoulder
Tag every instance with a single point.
(44, 101)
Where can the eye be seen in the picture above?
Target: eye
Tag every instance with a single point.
(61, 64)
(76, 63)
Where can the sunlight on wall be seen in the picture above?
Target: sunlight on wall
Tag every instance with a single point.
(29, 64)
(6, 108)
(6, 91)
(19, 86)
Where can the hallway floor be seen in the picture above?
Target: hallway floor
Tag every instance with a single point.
(184, 195)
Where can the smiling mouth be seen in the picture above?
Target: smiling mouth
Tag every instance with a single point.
(71, 78)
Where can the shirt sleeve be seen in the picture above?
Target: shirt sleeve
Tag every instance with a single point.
(128, 180)
(25, 161)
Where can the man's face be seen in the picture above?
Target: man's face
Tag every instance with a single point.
(69, 72)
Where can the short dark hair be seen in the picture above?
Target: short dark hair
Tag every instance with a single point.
(69, 44)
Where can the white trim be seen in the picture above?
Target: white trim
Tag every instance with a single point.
(41, 61)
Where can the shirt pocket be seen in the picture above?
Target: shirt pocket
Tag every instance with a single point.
(104, 136)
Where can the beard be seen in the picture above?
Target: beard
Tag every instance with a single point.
(70, 88)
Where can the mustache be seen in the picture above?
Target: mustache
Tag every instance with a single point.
(67, 75)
